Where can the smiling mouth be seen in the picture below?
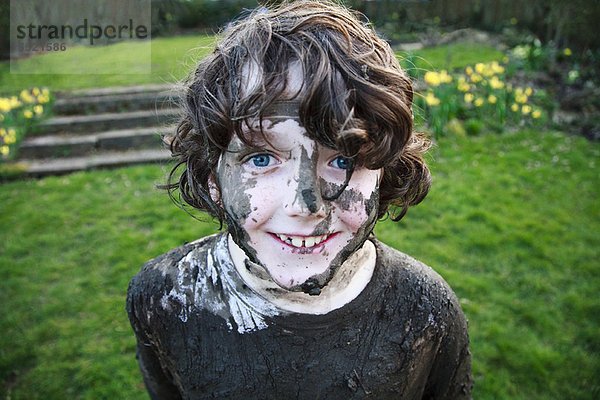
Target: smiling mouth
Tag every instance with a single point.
(302, 241)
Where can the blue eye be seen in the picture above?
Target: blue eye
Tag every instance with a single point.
(341, 162)
(261, 160)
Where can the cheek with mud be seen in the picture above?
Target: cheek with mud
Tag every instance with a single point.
(355, 209)
(236, 198)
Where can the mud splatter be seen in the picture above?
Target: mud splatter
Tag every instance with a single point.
(310, 200)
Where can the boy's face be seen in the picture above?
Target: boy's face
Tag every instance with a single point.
(273, 194)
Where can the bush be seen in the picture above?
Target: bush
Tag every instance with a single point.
(480, 93)
(473, 126)
(18, 115)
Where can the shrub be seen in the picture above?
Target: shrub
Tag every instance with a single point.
(18, 115)
(480, 93)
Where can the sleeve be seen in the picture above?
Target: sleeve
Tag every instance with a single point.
(158, 381)
(450, 377)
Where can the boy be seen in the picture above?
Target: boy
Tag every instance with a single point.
(298, 135)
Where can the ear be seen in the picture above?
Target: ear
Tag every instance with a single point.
(213, 190)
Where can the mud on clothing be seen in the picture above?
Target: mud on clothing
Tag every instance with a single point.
(203, 334)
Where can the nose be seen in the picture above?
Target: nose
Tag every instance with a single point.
(307, 199)
(310, 199)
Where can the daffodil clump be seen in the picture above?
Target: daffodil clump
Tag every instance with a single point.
(480, 92)
(18, 114)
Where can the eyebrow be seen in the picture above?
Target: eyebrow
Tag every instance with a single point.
(258, 143)
(257, 136)
(241, 146)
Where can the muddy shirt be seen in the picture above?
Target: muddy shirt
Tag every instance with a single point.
(203, 334)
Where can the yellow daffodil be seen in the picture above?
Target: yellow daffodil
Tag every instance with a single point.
(27, 114)
(4, 150)
(432, 78)
(536, 114)
(567, 52)
(14, 102)
(2, 132)
(27, 97)
(492, 99)
(496, 67)
(35, 91)
(528, 91)
(445, 77)
(42, 98)
(431, 100)
(463, 86)
(11, 136)
(469, 97)
(38, 109)
(5, 104)
(468, 70)
(476, 78)
(478, 102)
(526, 109)
(520, 96)
(479, 68)
(514, 107)
(496, 83)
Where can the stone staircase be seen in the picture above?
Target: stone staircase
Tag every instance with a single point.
(100, 128)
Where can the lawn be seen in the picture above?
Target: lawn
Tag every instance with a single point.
(511, 223)
(173, 58)
(451, 57)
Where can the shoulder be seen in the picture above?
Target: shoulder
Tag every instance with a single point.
(398, 265)
(417, 283)
(164, 275)
(167, 265)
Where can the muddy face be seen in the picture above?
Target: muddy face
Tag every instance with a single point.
(273, 192)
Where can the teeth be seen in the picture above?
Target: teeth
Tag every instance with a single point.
(302, 241)
(309, 241)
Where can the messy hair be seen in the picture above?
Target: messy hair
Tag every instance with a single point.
(355, 98)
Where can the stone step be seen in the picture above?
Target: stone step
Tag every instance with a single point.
(61, 166)
(81, 124)
(112, 103)
(80, 145)
(114, 90)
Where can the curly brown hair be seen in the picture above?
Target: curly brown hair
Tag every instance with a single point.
(355, 98)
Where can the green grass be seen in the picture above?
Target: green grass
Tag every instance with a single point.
(450, 57)
(171, 59)
(511, 222)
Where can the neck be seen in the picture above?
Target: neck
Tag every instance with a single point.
(347, 283)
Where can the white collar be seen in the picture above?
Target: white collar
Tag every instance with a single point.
(347, 283)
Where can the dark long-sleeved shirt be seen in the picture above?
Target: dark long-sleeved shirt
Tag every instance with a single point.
(202, 333)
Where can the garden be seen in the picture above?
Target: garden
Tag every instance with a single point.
(511, 222)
